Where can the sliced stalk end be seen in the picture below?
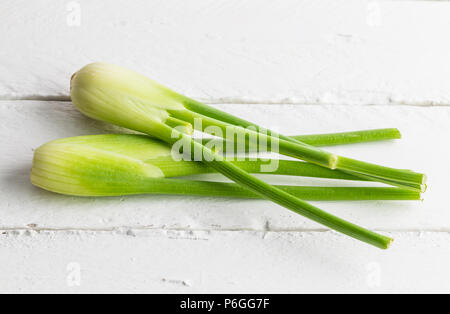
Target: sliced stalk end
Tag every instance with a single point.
(397, 177)
(384, 242)
(424, 180)
(424, 188)
(389, 244)
(180, 125)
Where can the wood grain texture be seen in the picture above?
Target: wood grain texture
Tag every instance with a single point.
(220, 262)
(291, 51)
(27, 125)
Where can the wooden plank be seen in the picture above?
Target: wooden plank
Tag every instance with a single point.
(27, 125)
(220, 262)
(260, 51)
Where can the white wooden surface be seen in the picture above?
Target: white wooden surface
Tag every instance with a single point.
(314, 65)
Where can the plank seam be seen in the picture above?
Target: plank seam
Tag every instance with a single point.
(234, 101)
(128, 229)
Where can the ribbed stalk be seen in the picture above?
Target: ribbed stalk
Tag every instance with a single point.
(284, 167)
(335, 139)
(296, 168)
(406, 176)
(344, 138)
(310, 193)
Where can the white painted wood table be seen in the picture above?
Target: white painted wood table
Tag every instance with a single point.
(299, 66)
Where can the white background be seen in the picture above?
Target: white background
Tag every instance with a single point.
(298, 66)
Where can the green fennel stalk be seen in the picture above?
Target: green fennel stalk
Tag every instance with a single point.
(328, 139)
(343, 138)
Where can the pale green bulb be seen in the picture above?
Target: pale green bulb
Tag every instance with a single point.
(102, 165)
(123, 97)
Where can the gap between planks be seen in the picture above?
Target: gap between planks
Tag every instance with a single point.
(131, 230)
(243, 101)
